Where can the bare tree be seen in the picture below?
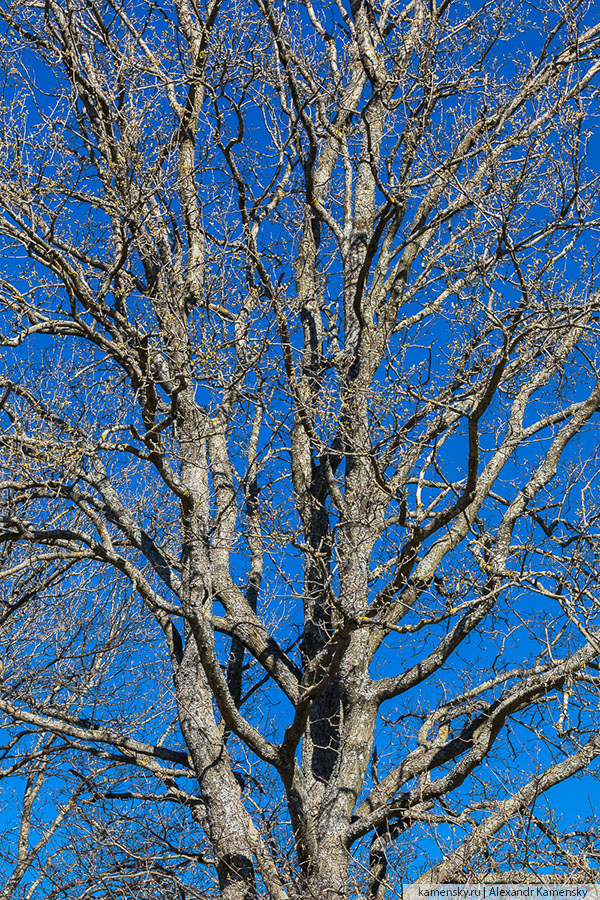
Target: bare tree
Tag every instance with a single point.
(300, 524)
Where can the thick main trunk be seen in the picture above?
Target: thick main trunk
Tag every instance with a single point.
(331, 802)
(328, 872)
(225, 818)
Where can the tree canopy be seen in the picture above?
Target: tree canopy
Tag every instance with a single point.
(299, 393)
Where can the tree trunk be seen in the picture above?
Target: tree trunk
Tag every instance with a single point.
(328, 871)
(226, 820)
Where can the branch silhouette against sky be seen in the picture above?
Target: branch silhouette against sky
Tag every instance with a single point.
(299, 394)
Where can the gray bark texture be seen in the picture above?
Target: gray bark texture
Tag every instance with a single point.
(299, 394)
